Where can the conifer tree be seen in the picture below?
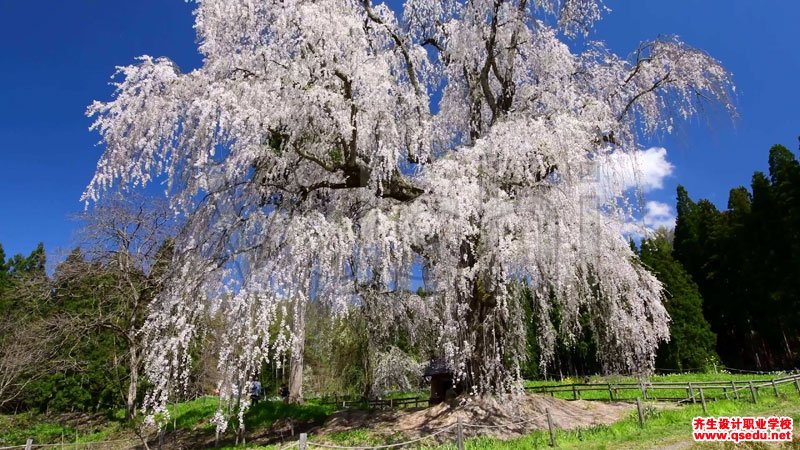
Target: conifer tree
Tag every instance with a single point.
(692, 343)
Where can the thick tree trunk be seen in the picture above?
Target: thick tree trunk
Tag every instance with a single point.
(482, 369)
(130, 401)
(488, 362)
(296, 366)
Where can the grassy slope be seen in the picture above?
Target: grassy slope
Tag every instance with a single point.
(193, 416)
(665, 427)
(16, 429)
(632, 394)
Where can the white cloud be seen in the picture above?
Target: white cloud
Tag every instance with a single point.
(657, 215)
(633, 230)
(655, 168)
(644, 169)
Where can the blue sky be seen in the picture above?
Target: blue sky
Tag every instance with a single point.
(57, 57)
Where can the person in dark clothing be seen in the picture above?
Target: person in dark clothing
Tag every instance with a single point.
(285, 393)
(255, 390)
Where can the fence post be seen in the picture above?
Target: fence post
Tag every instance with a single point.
(691, 392)
(610, 392)
(775, 387)
(797, 384)
(641, 412)
(574, 393)
(735, 392)
(29, 444)
(703, 401)
(550, 427)
(459, 435)
(302, 444)
(753, 393)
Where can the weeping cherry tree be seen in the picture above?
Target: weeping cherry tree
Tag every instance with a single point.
(327, 149)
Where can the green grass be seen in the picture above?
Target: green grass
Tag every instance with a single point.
(663, 427)
(197, 414)
(193, 415)
(674, 377)
(266, 413)
(422, 395)
(679, 392)
(16, 429)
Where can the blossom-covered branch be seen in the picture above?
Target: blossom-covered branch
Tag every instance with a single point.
(330, 144)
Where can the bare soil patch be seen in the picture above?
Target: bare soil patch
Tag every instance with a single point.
(500, 417)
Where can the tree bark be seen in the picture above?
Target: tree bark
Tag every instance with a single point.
(481, 327)
(133, 382)
(296, 366)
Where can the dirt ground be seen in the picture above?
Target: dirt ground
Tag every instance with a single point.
(524, 414)
(527, 414)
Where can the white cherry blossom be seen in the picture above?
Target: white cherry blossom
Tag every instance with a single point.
(326, 148)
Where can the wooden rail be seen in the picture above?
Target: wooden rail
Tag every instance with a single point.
(694, 389)
(690, 392)
(377, 404)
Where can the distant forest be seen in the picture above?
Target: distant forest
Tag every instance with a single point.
(70, 341)
(732, 280)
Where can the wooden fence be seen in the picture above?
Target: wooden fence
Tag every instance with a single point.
(349, 402)
(673, 391)
(695, 391)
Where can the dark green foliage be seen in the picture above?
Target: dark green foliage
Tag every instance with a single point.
(89, 375)
(530, 366)
(32, 264)
(29, 335)
(5, 280)
(746, 262)
(17, 272)
(84, 322)
(692, 344)
(572, 357)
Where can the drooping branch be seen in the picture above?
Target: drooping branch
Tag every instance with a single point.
(654, 87)
(411, 70)
(294, 170)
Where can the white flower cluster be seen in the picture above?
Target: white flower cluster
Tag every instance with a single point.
(325, 148)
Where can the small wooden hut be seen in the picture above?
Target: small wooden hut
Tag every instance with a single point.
(441, 381)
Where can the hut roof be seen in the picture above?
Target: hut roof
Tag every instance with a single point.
(437, 367)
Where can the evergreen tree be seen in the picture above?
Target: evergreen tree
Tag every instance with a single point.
(92, 371)
(574, 355)
(29, 335)
(745, 261)
(692, 343)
